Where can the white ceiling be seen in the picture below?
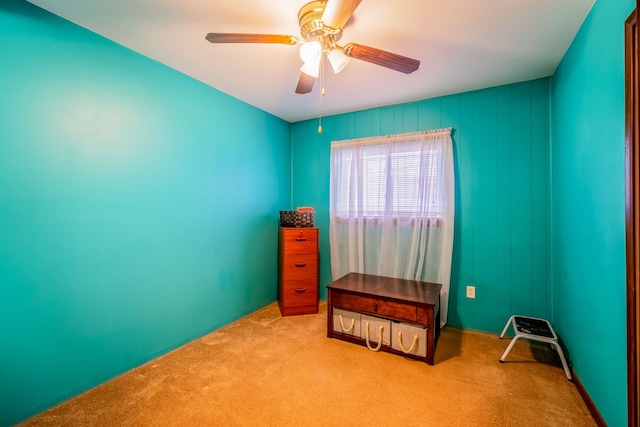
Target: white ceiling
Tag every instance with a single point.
(462, 45)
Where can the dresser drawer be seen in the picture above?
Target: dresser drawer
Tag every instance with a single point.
(300, 293)
(299, 267)
(376, 306)
(300, 241)
(301, 248)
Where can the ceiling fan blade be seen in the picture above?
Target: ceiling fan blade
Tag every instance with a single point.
(381, 57)
(250, 38)
(337, 12)
(305, 83)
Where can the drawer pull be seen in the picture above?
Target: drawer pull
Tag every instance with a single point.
(350, 328)
(413, 346)
(375, 307)
(301, 290)
(379, 337)
(301, 238)
(301, 264)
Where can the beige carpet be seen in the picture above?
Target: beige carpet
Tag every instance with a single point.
(266, 370)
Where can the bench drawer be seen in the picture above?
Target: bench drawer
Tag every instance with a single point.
(372, 329)
(376, 306)
(409, 339)
(346, 322)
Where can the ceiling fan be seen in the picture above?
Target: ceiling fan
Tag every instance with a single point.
(321, 24)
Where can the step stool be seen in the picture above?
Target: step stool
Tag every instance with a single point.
(532, 328)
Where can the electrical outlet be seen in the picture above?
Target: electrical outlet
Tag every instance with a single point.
(471, 292)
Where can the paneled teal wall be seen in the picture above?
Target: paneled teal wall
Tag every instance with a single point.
(137, 209)
(588, 206)
(501, 143)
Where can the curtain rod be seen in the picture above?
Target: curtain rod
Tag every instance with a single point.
(399, 135)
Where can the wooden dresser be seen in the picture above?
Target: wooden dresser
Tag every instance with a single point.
(298, 270)
(398, 300)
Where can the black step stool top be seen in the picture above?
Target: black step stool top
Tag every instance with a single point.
(527, 325)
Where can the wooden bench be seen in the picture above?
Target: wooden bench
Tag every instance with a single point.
(399, 300)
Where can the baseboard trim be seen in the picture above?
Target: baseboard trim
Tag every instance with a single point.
(587, 400)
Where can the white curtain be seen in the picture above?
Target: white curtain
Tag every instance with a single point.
(392, 208)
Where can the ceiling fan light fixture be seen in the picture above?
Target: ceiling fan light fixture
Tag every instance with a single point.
(338, 60)
(310, 51)
(321, 26)
(311, 68)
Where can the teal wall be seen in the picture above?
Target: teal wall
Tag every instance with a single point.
(501, 149)
(588, 202)
(137, 209)
(136, 206)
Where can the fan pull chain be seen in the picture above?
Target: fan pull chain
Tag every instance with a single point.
(321, 94)
(320, 116)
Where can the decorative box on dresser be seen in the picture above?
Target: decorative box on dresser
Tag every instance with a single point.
(298, 270)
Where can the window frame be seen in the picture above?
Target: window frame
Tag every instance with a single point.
(388, 150)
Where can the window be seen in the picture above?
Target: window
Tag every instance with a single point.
(393, 177)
